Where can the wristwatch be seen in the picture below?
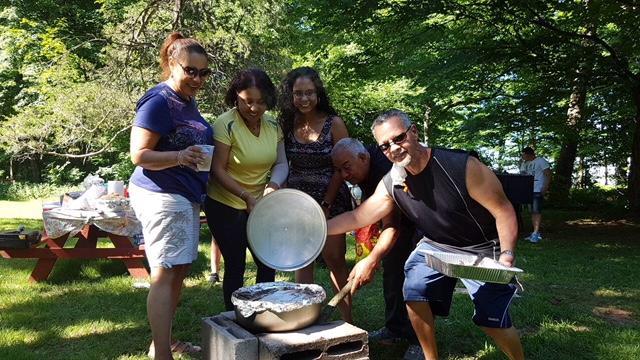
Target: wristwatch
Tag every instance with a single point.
(325, 204)
(508, 252)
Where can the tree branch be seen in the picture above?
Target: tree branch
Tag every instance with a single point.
(81, 156)
(622, 64)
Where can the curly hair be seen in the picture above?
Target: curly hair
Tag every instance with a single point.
(249, 78)
(285, 103)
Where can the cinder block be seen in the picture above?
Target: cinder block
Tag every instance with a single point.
(223, 339)
(335, 340)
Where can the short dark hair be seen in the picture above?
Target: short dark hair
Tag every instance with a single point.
(528, 150)
(249, 78)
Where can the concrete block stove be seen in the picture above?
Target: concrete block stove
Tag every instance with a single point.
(224, 339)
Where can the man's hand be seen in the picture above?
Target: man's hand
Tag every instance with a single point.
(507, 259)
(362, 273)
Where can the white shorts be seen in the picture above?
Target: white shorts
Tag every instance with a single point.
(170, 226)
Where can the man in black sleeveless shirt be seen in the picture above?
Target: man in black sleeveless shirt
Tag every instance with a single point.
(365, 167)
(459, 206)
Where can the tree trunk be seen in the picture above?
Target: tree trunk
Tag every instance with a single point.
(634, 171)
(177, 16)
(35, 170)
(569, 145)
(11, 169)
(425, 125)
(606, 172)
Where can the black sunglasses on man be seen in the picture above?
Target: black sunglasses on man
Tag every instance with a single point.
(395, 140)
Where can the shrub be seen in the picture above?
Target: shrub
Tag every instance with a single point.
(27, 191)
(596, 197)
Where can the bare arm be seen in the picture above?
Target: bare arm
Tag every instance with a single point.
(485, 188)
(219, 171)
(338, 132)
(141, 147)
(547, 180)
(373, 209)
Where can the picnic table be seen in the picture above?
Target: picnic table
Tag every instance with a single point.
(87, 226)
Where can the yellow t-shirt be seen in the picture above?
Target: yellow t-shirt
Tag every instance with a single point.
(250, 159)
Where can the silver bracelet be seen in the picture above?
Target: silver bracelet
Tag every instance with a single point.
(178, 158)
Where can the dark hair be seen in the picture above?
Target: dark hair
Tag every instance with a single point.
(528, 150)
(249, 78)
(285, 103)
(174, 46)
(474, 154)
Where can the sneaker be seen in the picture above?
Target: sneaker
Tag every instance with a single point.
(414, 352)
(384, 336)
(214, 278)
(535, 237)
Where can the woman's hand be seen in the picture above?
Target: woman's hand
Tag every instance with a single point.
(326, 210)
(250, 201)
(271, 187)
(191, 157)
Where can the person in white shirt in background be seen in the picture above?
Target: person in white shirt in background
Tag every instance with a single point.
(540, 170)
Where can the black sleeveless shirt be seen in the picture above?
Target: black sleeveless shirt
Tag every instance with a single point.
(438, 202)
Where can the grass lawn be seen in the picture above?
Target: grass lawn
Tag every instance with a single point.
(581, 301)
(28, 209)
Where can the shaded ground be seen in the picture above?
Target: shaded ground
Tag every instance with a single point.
(580, 301)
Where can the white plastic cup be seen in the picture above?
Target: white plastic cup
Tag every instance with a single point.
(205, 165)
(115, 187)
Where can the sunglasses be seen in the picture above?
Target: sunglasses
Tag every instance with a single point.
(395, 140)
(194, 72)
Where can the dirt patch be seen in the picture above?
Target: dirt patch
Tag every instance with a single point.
(31, 209)
(615, 315)
(599, 222)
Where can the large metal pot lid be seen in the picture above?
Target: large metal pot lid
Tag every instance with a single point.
(287, 230)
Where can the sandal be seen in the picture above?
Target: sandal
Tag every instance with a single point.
(214, 278)
(178, 347)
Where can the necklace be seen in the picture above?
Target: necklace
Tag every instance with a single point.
(255, 129)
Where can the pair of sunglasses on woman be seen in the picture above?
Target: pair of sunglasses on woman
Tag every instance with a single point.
(194, 72)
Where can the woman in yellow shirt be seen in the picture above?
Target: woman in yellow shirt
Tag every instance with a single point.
(249, 162)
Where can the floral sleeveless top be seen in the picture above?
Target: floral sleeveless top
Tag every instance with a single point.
(311, 169)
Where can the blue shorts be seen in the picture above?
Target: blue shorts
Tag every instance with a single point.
(423, 284)
(536, 205)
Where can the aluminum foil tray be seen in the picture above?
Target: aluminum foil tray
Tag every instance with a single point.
(470, 267)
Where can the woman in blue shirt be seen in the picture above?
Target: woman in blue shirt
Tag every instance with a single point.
(166, 187)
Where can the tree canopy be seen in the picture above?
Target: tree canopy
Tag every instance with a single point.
(495, 76)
